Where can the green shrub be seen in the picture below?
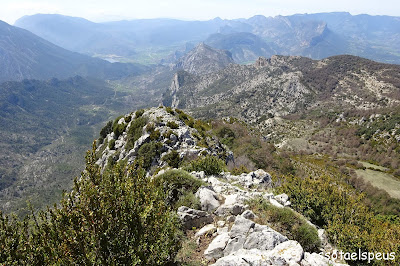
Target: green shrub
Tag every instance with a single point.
(128, 118)
(188, 199)
(167, 134)
(118, 129)
(139, 113)
(172, 125)
(155, 135)
(150, 127)
(211, 165)
(287, 222)
(111, 144)
(135, 131)
(107, 129)
(118, 217)
(172, 159)
(148, 152)
(226, 136)
(176, 185)
(169, 110)
(239, 170)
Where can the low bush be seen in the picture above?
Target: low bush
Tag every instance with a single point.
(172, 125)
(148, 151)
(107, 129)
(179, 187)
(111, 144)
(211, 165)
(139, 113)
(172, 159)
(170, 110)
(135, 131)
(118, 217)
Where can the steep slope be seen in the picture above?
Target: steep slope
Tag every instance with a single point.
(204, 59)
(283, 85)
(45, 126)
(24, 55)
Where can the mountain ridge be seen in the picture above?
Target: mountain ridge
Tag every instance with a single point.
(316, 35)
(27, 56)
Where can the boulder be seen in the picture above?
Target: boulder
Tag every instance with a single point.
(289, 251)
(248, 215)
(244, 257)
(275, 203)
(282, 198)
(239, 231)
(206, 230)
(263, 238)
(191, 218)
(216, 248)
(208, 199)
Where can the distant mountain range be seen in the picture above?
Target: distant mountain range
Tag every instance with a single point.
(313, 35)
(24, 55)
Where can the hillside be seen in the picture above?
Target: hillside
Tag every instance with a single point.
(162, 177)
(45, 128)
(24, 55)
(149, 41)
(284, 85)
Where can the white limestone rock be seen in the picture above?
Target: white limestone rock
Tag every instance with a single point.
(208, 199)
(216, 248)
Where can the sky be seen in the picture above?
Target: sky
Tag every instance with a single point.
(109, 10)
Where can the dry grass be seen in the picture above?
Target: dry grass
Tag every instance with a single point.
(381, 180)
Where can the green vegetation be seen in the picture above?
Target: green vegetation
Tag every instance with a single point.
(58, 117)
(111, 144)
(135, 131)
(287, 222)
(107, 129)
(118, 128)
(118, 217)
(170, 110)
(172, 159)
(139, 113)
(329, 201)
(179, 187)
(172, 125)
(211, 165)
(148, 152)
(251, 151)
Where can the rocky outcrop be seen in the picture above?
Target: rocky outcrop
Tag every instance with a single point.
(237, 238)
(166, 130)
(193, 218)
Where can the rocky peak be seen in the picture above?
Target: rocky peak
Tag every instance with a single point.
(204, 59)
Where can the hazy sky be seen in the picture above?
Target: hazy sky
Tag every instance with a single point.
(106, 10)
